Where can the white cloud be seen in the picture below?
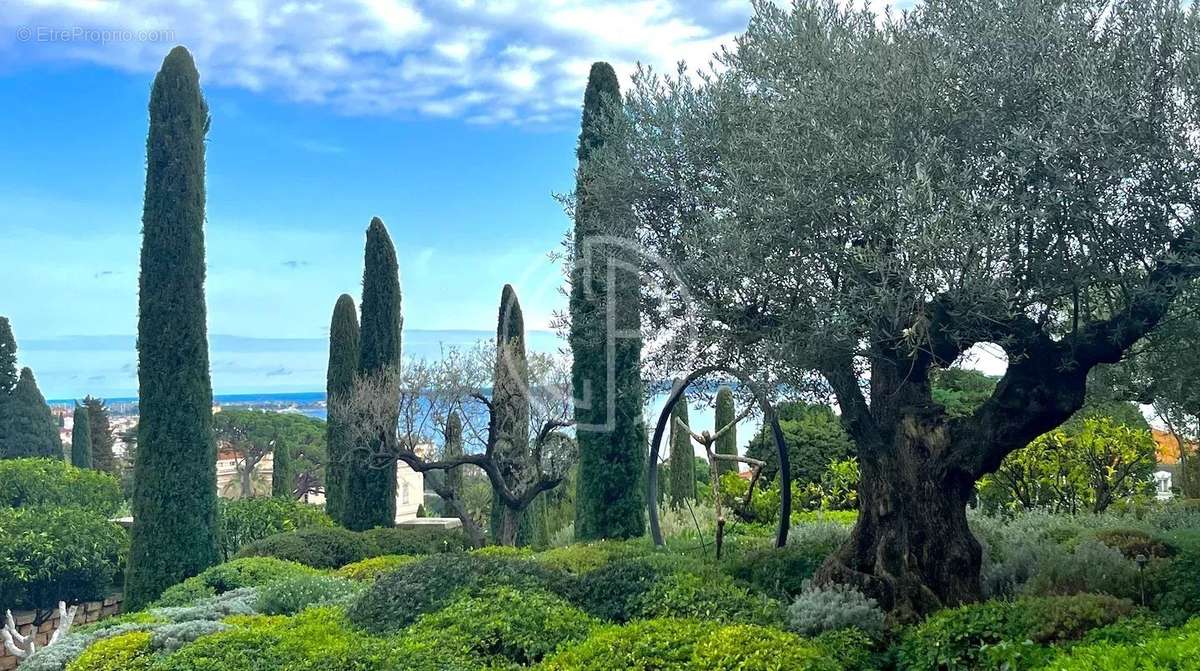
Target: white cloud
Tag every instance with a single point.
(423, 57)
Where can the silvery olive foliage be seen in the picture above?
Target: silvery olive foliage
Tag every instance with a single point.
(935, 178)
(820, 609)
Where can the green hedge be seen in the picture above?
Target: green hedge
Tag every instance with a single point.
(1172, 649)
(29, 483)
(396, 599)
(53, 554)
(243, 521)
(334, 547)
(503, 626)
(691, 645)
(1011, 633)
(245, 572)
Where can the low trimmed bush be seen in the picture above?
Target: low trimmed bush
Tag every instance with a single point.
(503, 626)
(1179, 589)
(614, 592)
(658, 645)
(956, 638)
(711, 598)
(744, 647)
(829, 608)
(1171, 649)
(369, 569)
(1092, 568)
(126, 652)
(396, 599)
(245, 572)
(53, 554)
(243, 521)
(39, 483)
(418, 541)
(1134, 542)
(292, 595)
(780, 572)
(324, 548)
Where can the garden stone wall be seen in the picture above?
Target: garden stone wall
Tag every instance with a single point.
(87, 613)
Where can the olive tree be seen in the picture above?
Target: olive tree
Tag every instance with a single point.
(853, 202)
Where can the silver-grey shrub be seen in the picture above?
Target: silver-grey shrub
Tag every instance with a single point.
(828, 608)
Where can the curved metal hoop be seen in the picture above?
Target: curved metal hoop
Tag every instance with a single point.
(785, 471)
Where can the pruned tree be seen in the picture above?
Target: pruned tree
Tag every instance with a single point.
(81, 438)
(429, 392)
(101, 435)
(852, 202)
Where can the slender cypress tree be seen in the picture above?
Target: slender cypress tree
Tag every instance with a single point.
(283, 479)
(102, 439)
(8, 358)
(339, 380)
(27, 429)
(510, 415)
(609, 427)
(726, 444)
(175, 488)
(81, 438)
(454, 448)
(370, 495)
(682, 460)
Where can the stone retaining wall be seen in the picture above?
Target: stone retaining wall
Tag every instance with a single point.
(86, 614)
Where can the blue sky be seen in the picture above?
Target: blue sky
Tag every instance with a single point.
(454, 121)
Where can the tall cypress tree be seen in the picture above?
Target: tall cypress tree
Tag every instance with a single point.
(81, 438)
(370, 495)
(682, 460)
(102, 439)
(609, 501)
(727, 443)
(454, 449)
(175, 488)
(510, 415)
(283, 479)
(27, 429)
(9, 375)
(339, 380)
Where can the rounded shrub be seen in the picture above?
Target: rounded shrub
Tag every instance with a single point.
(35, 483)
(744, 647)
(580, 558)
(711, 598)
(504, 626)
(125, 652)
(367, 570)
(53, 554)
(614, 592)
(245, 572)
(292, 595)
(324, 548)
(503, 551)
(418, 541)
(1171, 649)
(1092, 567)
(396, 599)
(955, 638)
(243, 521)
(780, 572)
(832, 607)
(661, 645)
(1178, 597)
(1134, 542)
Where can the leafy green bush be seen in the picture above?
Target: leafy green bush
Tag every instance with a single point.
(126, 652)
(292, 595)
(711, 598)
(584, 557)
(325, 548)
(53, 554)
(243, 521)
(1172, 649)
(658, 645)
(745, 647)
(319, 639)
(956, 638)
(504, 626)
(1179, 597)
(418, 541)
(852, 649)
(820, 609)
(1134, 542)
(371, 568)
(614, 592)
(245, 572)
(780, 572)
(396, 599)
(38, 483)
